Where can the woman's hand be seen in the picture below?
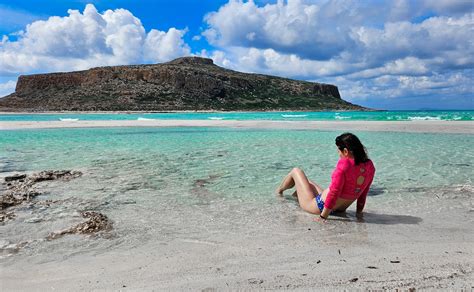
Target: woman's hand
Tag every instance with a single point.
(320, 219)
(325, 213)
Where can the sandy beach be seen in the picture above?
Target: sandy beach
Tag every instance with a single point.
(423, 242)
(462, 127)
(416, 246)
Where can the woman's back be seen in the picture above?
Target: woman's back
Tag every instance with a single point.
(350, 182)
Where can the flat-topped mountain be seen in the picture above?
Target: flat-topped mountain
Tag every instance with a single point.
(189, 83)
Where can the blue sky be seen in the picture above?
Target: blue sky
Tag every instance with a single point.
(397, 54)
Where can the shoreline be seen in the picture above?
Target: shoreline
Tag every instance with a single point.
(455, 127)
(179, 111)
(3, 112)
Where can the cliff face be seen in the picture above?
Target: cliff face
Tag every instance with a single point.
(189, 83)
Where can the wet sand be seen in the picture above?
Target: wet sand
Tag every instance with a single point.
(461, 127)
(419, 246)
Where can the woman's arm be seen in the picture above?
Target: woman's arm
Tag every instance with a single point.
(325, 213)
(335, 189)
(363, 196)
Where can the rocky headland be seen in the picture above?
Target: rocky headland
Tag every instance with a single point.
(189, 83)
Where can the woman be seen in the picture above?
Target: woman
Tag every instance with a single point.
(350, 181)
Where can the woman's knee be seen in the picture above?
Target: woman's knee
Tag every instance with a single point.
(296, 170)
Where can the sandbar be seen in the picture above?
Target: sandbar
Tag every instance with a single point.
(459, 127)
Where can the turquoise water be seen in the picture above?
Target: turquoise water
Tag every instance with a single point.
(157, 184)
(291, 116)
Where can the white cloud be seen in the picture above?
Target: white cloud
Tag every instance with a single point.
(373, 48)
(285, 27)
(448, 84)
(163, 46)
(7, 88)
(83, 40)
(434, 37)
(449, 6)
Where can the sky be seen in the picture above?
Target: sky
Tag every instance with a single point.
(394, 54)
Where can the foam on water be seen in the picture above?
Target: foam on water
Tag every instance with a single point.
(427, 118)
(294, 116)
(68, 120)
(164, 184)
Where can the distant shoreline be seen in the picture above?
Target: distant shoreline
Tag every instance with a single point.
(217, 111)
(178, 111)
(459, 127)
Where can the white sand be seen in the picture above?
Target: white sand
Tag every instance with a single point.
(428, 245)
(463, 127)
(422, 246)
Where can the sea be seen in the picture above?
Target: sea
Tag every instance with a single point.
(204, 184)
(447, 115)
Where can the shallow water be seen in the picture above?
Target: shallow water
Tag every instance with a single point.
(202, 184)
(448, 115)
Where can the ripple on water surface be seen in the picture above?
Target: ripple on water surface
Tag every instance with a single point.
(160, 185)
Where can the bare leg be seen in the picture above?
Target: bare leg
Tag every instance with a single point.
(286, 184)
(304, 190)
(317, 189)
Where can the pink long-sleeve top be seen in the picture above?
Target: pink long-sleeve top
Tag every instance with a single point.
(350, 181)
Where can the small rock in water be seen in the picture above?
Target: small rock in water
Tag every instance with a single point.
(15, 177)
(97, 222)
(5, 216)
(20, 188)
(55, 174)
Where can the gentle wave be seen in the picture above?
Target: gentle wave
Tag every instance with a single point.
(425, 118)
(215, 118)
(68, 120)
(294, 116)
(341, 118)
(145, 119)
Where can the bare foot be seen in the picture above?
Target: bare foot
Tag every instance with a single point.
(279, 192)
(295, 194)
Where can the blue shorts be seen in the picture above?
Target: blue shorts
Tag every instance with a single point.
(319, 202)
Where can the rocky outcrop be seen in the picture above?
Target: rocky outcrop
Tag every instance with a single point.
(95, 222)
(20, 187)
(189, 83)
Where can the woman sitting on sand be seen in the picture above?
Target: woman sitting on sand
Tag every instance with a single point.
(350, 181)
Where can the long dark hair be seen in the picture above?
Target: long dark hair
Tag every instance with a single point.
(353, 144)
